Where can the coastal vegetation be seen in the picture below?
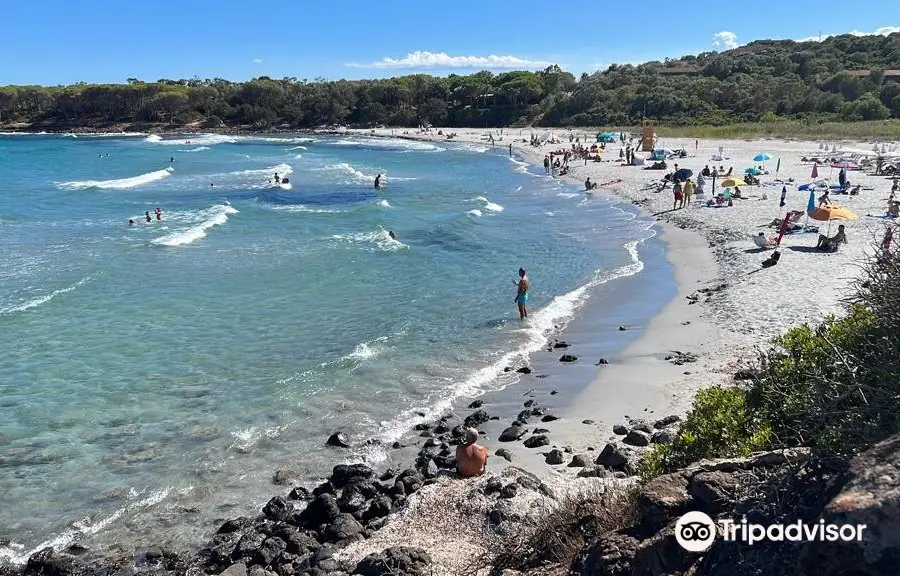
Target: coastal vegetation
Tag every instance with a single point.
(830, 387)
(772, 87)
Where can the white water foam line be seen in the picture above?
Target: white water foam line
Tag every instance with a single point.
(120, 183)
(14, 554)
(34, 303)
(214, 216)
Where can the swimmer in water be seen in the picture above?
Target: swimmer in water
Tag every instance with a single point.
(130, 222)
(277, 178)
(147, 216)
(522, 294)
(378, 181)
(391, 234)
(158, 214)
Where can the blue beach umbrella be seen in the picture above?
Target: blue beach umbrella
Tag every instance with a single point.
(683, 174)
(811, 205)
(762, 157)
(753, 171)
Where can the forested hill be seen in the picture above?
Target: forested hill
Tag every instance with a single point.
(843, 78)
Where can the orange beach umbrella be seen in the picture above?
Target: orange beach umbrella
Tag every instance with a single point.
(832, 212)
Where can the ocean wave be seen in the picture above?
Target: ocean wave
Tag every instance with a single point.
(35, 302)
(295, 148)
(381, 239)
(14, 555)
(198, 139)
(197, 149)
(214, 216)
(282, 170)
(472, 148)
(346, 168)
(384, 203)
(391, 144)
(118, 184)
(568, 195)
(301, 208)
(488, 205)
(475, 212)
(540, 327)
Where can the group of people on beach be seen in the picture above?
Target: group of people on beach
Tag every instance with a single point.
(147, 217)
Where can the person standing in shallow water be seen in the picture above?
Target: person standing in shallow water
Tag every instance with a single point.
(522, 294)
(378, 181)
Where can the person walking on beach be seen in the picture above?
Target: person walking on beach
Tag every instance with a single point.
(471, 459)
(679, 196)
(522, 294)
(547, 164)
(688, 192)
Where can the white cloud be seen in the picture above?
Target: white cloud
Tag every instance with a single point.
(422, 59)
(257, 60)
(883, 31)
(725, 39)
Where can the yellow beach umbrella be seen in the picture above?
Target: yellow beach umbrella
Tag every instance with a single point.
(832, 212)
(732, 182)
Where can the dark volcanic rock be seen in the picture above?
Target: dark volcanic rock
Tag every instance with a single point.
(234, 525)
(283, 476)
(620, 429)
(560, 344)
(602, 362)
(537, 441)
(662, 437)
(642, 426)
(524, 370)
(476, 419)
(580, 461)
(637, 438)
(667, 421)
(504, 453)
(344, 474)
(338, 439)
(476, 404)
(568, 358)
(322, 510)
(555, 456)
(343, 527)
(396, 561)
(512, 434)
(662, 498)
(299, 493)
(549, 418)
(278, 509)
(613, 457)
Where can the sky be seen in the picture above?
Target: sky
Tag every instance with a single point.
(53, 42)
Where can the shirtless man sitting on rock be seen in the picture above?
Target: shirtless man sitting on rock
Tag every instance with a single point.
(471, 458)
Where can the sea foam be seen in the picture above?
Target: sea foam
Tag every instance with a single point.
(214, 216)
(119, 183)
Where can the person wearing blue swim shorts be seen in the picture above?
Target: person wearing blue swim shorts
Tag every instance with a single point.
(522, 294)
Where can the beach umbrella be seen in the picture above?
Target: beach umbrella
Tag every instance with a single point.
(753, 171)
(732, 182)
(783, 196)
(815, 171)
(762, 157)
(811, 205)
(832, 212)
(683, 174)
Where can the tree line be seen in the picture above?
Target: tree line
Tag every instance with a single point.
(843, 78)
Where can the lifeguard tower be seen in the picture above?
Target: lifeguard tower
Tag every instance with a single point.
(647, 136)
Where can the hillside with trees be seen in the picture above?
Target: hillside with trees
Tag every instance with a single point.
(843, 78)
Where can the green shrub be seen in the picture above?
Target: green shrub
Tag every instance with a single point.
(718, 425)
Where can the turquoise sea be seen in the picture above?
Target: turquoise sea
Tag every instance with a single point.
(153, 376)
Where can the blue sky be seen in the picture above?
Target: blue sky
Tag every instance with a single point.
(66, 41)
